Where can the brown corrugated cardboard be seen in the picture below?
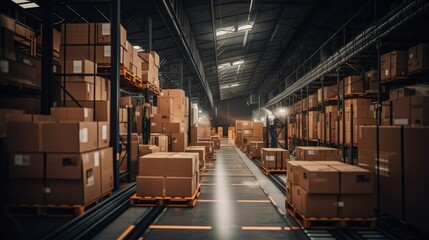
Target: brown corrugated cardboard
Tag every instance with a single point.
(80, 66)
(356, 206)
(160, 140)
(81, 137)
(165, 105)
(297, 197)
(172, 127)
(11, 115)
(180, 186)
(179, 165)
(72, 114)
(419, 111)
(354, 179)
(78, 33)
(319, 179)
(179, 142)
(153, 164)
(393, 65)
(105, 37)
(145, 149)
(294, 170)
(150, 186)
(418, 58)
(102, 108)
(354, 84)
(155, 127)
(311, 205)
(106, 167)
(201, 155)
(81, 91)
(103, 133)
(33, 140)
(162, 118)
(34, 191)
(26, 165)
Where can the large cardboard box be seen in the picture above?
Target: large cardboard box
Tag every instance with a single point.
(165, 105)
(371, 77)
(11, 115)
(34, 191)
(294, 170)
(106, 167)
(79, 66)
(180, 186)
(354, 179)
(78, 33)
(418, 58)
(156, 127)
(318, 205)
(153, 165)
(179, 142)
(150, 186)
(101, 108)
(180, 165)
(173, 127)
(104, 34)
(160, 140)
(201, 155)
(393, 65)
(356, 206)
(26, 165)
(319, 179)
(70, 137)
(25, 137)
(354, 84)
(274, 158)
(72, 114)
(73, 178)
(162, 118)
(297, 197)
(318, 154)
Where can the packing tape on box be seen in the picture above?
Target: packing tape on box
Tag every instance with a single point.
(96, 159)
(104, 132)
(83, 135)
(89, 177)
(77, 66)
(105, 29)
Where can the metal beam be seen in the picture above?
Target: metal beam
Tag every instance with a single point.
(213, 16)
(47, 57)
(179, 27)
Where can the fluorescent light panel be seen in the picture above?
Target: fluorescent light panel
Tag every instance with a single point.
(20, 1)
(237, 62)
(246, 27)
(29, 5)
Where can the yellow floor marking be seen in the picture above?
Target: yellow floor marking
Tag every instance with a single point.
(190, 227)
(261, 228)
(291, 228)
(272, 200)
(253, 201)
(126, 232)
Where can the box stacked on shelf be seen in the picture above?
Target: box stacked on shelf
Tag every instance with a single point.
(317, 154)
(418, 58)
(345, 191)
(403, 164)
(371, 77)
(150, 68)
(394, 65)
(77, 158)
(209, 147)
(355, 85)
(247, 131)
(360, 115)
(168, 175)
(201, 150)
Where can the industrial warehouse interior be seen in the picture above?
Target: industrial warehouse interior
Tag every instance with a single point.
(214, 119)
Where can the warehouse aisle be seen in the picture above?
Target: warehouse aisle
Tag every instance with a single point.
(232, 205)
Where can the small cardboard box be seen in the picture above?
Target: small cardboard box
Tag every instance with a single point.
(319, 179)
(180, 186)
(180, 165)
(152, 165)
(150, 186)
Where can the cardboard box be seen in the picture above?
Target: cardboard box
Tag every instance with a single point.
(160, 140)
(394, 65)
(180, 186)
(81, 91)
(172, 127)
(26, 165)
(294, 170)
(104, 35)
(311, 205)
(418, 58)
(34, 191)
(318, 154)
(33, 140)
(152, 165)
(145, 149)
(106, 167)
(73, 173)
(162, 118)
(150, 186)
(419, 110)
(354, 179)
(179, 142)
(180, 165)
(354, 84)
(155, 127)
(81, 137)
(79, 66)
(201, 155)
(356, 206)
(297, 197)
(330, 92)
(319, 179)
(78, 33)
(371, 77)
(11, 115)
(165, 105)
(101, 108)
(72, 114)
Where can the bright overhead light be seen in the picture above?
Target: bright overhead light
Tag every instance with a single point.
(29, 5)
(137, 47)
(234, 85)
(20, 1)
(237, 62)
(224, 65)
(224, 31)
(246, 27)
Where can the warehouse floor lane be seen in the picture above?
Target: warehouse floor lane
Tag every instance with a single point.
(232, 205)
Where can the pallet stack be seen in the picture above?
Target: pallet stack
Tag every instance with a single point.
(274, 160)
(247, 131)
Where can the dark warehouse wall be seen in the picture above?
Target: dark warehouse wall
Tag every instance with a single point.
(238, 110)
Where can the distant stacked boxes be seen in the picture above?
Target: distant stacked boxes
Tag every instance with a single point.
(247, 131)
(274, 158)
(255, 148)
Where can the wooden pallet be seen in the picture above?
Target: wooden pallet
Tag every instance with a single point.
(139, 201)
(270, 171)
(330, 223)
(395, 79)
(129, 80)
(154, 89)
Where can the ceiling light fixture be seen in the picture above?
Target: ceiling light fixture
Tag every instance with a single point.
(237, 62)
(20, 1)
(224, 31)
(224, 65)
(246, 27)
(234, 85)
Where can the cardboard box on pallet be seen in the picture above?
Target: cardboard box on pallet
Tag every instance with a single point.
(319, 179)
(201, 155)
(180, 186)
(310, 204)
(150, 186)
(274, 158)
(255, 148)
(106, 167)
(354, 180)
(418, 58)
(26, 166)
(80, 137)
(73, 173)
(181, 165)
(72, 114)
(34, 191)
(153, 165)
(33, 141)
(356, 206)
(355, 84)
(394, 65)
(104, 35)
(294, 170)
(317, 153)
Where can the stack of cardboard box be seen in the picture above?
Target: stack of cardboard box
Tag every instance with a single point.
(402, 168)
(418, 58)
(247, 131)
(274, 158)
(64, 159)
(201, 153)
(171, 119)
(355, 85)
(255, 148)
(160, 140)
(394, 65)
(357, 111)
(231, 133)
(150, 68)
(168, 175)
(209, 147)
(343, 190)
(317, 154)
